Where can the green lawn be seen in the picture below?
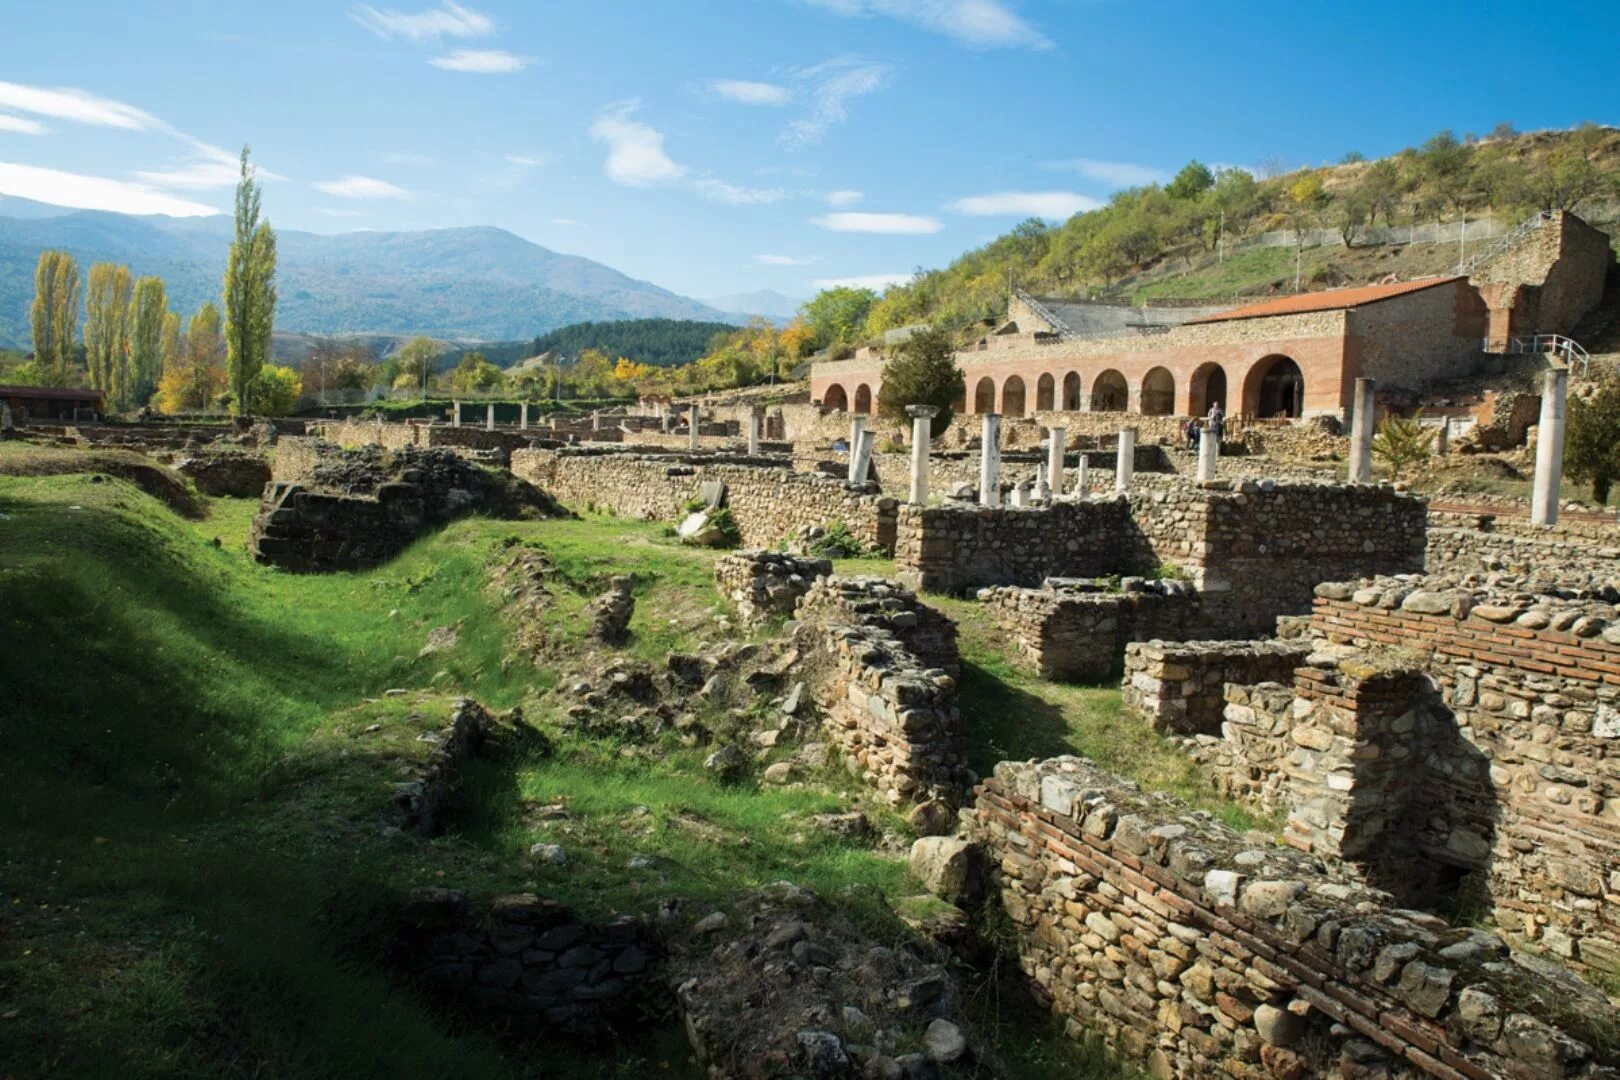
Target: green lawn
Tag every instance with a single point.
(196, 759)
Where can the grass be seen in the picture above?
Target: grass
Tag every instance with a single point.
(196, 759)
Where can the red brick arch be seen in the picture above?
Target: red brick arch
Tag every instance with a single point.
(834, 398)
(1012, 396)
(863, 399)
(1072, 401)
(1045, 393)
(984, 396)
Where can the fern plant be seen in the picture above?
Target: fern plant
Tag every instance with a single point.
(1402, 443)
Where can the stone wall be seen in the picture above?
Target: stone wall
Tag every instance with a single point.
(1464, 543)
(767, 584)
(884, 605)
(1254, 550)
(395, 436)
(767, 499)
(1079, 636)
(238, 473)
(1180, 687)
(1199, 953)
(1415, 338)
(530, 961)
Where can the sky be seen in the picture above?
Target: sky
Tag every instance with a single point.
(723, 146)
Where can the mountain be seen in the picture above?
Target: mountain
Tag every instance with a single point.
(767, 302)
(475, 284)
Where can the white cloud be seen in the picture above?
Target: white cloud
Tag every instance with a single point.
(1119, 174)
(886, 224)
(636, 155)
(212, 167)
(451, 20)
(361, 187)
(481, 61)
(978, 24)
(751, 93)
(408, 157)
(720, 191)
(567, 221)
(93, 192)
(21, 125)
(67, 103)
(877, 282)
(782, 260)
(1045, 204)
(832, 85)
(528, 161)
(843, 197)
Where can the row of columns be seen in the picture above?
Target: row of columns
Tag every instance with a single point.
(1049, 478)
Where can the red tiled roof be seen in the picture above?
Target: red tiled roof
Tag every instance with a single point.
(1331, 300)
(50, 393)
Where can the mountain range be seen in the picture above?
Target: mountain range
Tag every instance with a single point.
(463, 284)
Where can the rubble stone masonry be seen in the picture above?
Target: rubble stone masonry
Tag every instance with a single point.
(1199, 953)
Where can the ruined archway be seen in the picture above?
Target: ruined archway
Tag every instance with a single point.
(1071, 392)
(835, 399)
(1012, 396)
(1110, 393)
(1158, 392)
(984, 396)
(863, 399)
(1275, 388)
(1045, 393)
(1208, 387)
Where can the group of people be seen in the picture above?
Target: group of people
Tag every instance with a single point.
(1193, 430)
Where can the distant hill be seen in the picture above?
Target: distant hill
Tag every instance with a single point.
(660, 342)
(767, 302)
(465, 284)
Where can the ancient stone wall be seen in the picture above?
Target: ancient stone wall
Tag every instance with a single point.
(530, 961)
(1556, 274)
(395, 436)
(1412, 339)
(1459, 543)
(1521, 728)
(767, 584)
(1201, 954)
(767, 499)
(885, 605)
(1080, 636)
(238, 473)
(1180, 687)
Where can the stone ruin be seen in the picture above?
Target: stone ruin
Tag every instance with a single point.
(351, 509)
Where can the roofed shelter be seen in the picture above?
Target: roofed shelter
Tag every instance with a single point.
(51, 403)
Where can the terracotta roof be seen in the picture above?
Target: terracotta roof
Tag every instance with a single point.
(1331, 300)
(50, 393)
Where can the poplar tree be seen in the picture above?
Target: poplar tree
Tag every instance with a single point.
(250, 291)
(148, 311)
(172, 343)
(106, 329)
(54, 315)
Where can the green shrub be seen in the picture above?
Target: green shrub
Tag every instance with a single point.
(836, 542)
(727, 526)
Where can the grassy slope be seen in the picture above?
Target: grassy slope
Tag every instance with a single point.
(196, 756)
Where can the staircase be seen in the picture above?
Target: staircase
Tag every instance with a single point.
(1063, 329)
(1575, 358)
(1506, 242)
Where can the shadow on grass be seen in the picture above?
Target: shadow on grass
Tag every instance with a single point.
(1003, 723)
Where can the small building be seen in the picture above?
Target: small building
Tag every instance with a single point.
(1288, 357)
(51, 403)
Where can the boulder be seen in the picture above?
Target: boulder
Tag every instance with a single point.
(949, 867)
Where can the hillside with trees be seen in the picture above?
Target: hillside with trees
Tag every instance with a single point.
(656, 342)
(1182, 239)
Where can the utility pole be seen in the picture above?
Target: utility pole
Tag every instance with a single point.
(1462, 242)
(1220, 244)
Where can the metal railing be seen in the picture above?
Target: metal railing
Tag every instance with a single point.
(1570, 351)
(1505, 242)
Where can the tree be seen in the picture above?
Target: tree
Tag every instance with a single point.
(173, 347)
(1380, 190)
(475, 373)
(416, 361)
(1591, 442)
(54, 316)
(835, 315)
(1402, 443)
(923, 372)
(1350, 213)
(196, 379)
(106, 328)
(250, 291)
(1192, 181)
(275, 390)
(148, 311)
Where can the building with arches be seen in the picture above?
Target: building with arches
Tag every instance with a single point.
(1287, 357)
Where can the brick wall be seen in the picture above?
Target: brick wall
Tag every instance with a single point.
(1413, 339)
(1180, 687)
(767, 584)
(1200, 954)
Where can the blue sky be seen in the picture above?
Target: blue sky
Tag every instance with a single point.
(718, 146)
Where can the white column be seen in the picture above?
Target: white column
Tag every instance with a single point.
(1209, 449)
(857, 424)
(1020, 495)
(523, 420)
(663, 419)
(990, 460)
(860, 462)
(692, 433)
(922, 422)
(1082, 477)
(455, 414)
(596, 421)
(1056, 441)
(753, 433)
(1442, 441)
(1042, 491)
(1549, 449)
(1361, 433)
(1125, 471)
(489, 417)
